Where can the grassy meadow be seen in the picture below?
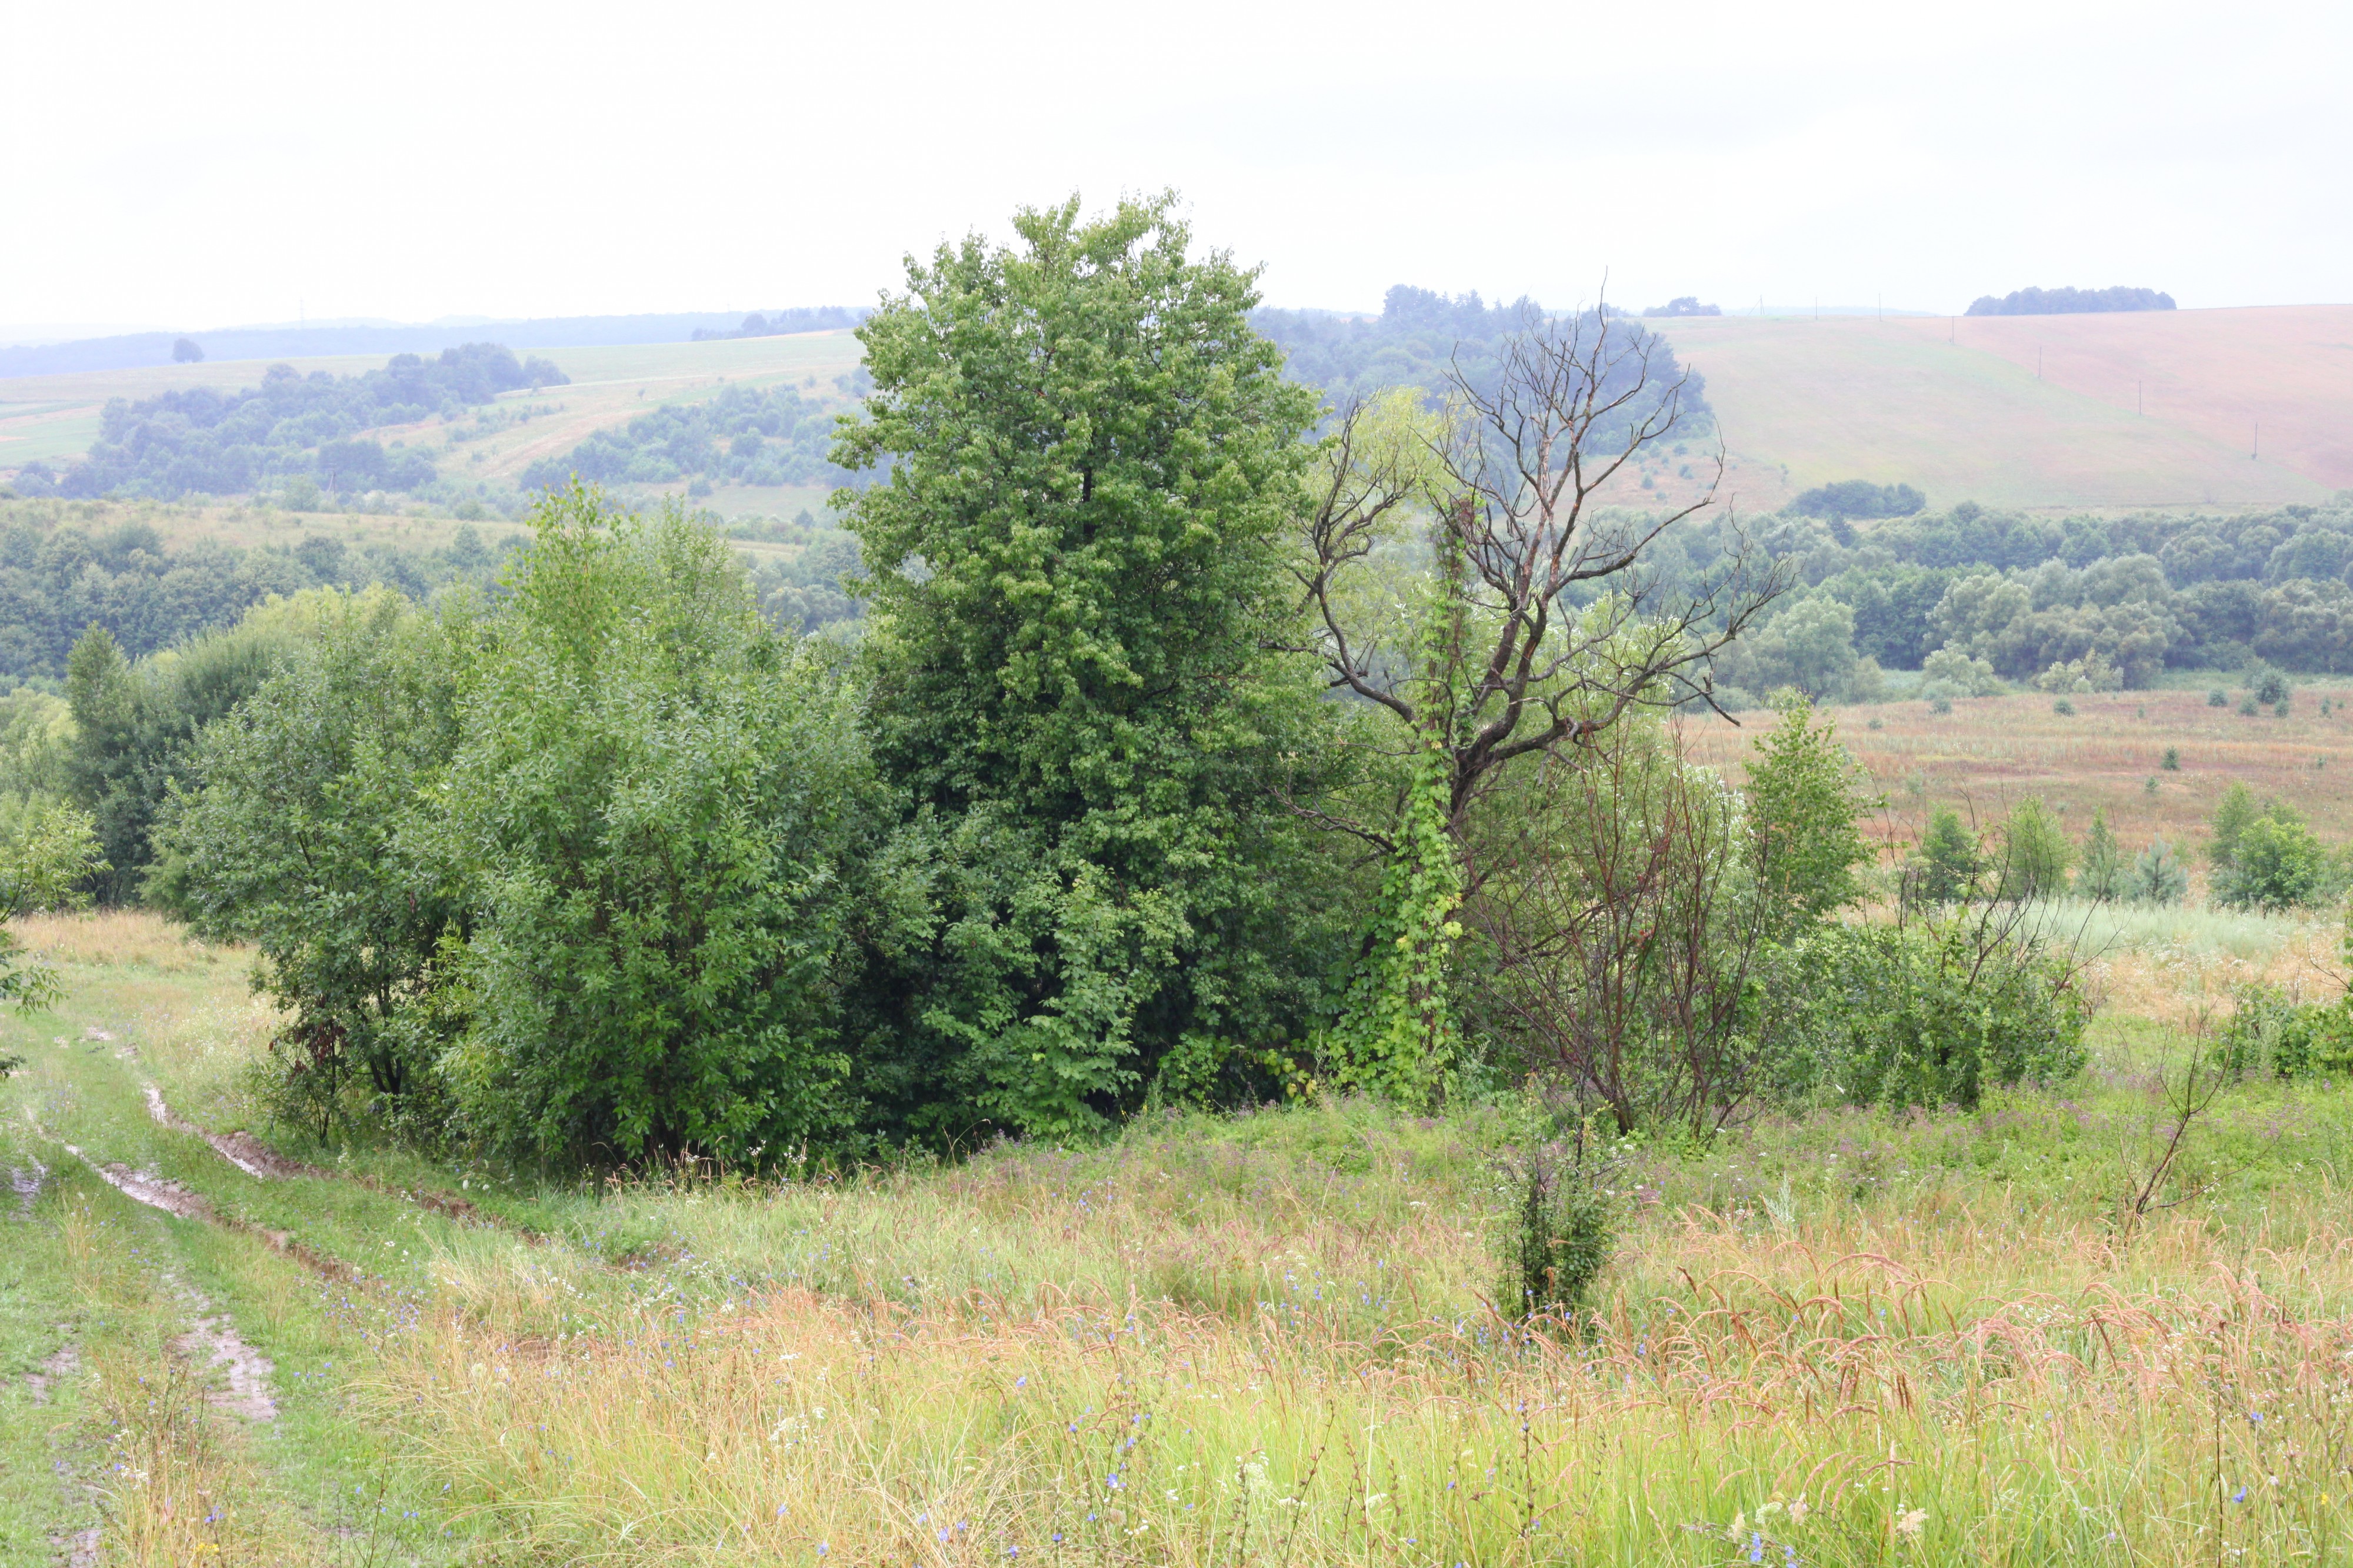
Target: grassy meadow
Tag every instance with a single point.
(1262, 1339)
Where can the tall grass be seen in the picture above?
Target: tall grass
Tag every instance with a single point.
(1847, 1340)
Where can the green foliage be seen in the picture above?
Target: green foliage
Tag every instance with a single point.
(48, 854)
(1804, 800)
(1858, 499)
(2218, 699)
(2275, 863)
(1396, 1032)
(1094, 459)
(220, 443)
(1946, 865)
(134, 725)
(300, 828)
(2158, 876)
(1559, 1232)
(1928, 1013)
(2035, 853)
(2103, 875)
(651, 804)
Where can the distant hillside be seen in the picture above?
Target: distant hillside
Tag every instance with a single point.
(137, 350)
(292, 430)
(2214, 408)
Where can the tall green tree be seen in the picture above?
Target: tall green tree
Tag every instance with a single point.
(2034, 853)
(1946, 868)
(2103, 873)
(1806, 797)
(134, 725)
(1077, 561)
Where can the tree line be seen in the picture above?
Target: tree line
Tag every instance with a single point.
(739, 435)
(209, 442)
(1977, 597)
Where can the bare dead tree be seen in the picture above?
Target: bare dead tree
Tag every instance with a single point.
(1623, 946)
(1515, 492)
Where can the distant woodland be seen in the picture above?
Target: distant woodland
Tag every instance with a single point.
(744, 435)
(2070, 301)
(208, 442)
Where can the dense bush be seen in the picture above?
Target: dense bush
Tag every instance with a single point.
(218, 443)
(568, 873)
(1930, 1013)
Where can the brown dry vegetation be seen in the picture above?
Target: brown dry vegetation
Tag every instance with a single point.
(1989, 752)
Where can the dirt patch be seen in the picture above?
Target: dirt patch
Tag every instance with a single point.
(243, 1149)
(60, 1365)
(214, 1342)
(156, 1192)
(26, 1185)
(80, 1548)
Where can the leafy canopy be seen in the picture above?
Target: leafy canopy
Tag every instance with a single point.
(1092, 459)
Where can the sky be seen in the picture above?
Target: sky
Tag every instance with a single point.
(196, 167)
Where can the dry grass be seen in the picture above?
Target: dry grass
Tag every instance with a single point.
(1989, 752)
(120, 939)
(1869, 1383)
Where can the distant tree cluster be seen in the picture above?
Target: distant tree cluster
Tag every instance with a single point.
(744, 435)
(188, 351)
(2070, 301)
(776, 323)
(208, 442)
(1683, 305)
(1854, 498)
(56, 579)
(1419, 339)
(1985, 597)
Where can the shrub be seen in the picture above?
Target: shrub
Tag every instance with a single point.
(2157, 877)
(2034, 853)
(2269, 1033)
(2063, 708)
(2218, 699)
(1557, 1234)
(1928, 1013)
(1944, 869)
(654, 805)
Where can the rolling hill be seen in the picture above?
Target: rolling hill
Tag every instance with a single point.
(2151, 408)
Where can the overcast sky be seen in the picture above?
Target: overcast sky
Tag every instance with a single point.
(205, 167)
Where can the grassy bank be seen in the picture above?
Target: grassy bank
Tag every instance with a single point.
(1845, 1338)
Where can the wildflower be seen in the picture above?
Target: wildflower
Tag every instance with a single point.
(1756, 1548)
(2238, 1496)
(820, 1549)
(1910, 1523)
